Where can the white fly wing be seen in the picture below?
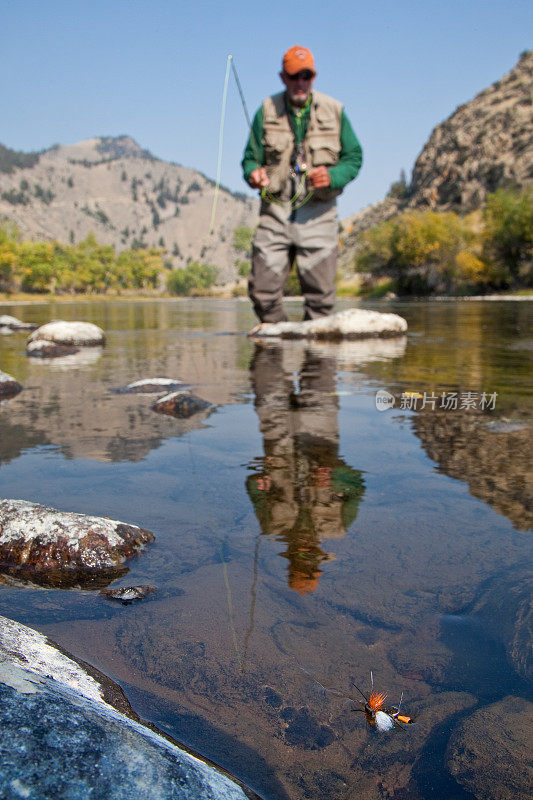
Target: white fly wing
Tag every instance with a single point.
(384, 722)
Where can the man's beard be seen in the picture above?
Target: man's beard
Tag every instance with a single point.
(298, 99)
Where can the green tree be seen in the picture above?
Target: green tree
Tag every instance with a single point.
(400, 187)
(8, 256)
(242, 239)
(195, 278)
(508, 218)
(425, 251)
(38, 269)
(243, 268)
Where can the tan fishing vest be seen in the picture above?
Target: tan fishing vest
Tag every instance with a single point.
(322, 143)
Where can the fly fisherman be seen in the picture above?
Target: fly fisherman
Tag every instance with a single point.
(301, 153)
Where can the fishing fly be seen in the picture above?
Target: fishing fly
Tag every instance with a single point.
(377, 714)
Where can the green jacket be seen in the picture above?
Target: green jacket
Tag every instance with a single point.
(350, 157)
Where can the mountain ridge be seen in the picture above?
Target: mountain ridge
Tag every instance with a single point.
(126, 196)
(484, 145)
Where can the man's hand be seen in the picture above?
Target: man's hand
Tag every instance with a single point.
(319, 178)
(259, 178)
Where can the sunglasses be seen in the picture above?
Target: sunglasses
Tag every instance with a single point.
(304, 74)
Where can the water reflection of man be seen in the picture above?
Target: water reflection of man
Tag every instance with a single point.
(301, 490)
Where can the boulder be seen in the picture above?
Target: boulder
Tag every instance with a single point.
(505, 608)
(43, 348)
(181, 404)
(9, 387)
(66, 730)
(80, 334)
(61, 548)
(352, 323)
(128, 594)
(153, 386)
(489, 753)
(14, 324)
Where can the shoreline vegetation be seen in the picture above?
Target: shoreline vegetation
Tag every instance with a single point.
(228, 292)
(413, 254)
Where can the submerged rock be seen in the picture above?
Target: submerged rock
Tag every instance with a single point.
(181, 404)
(81, 334)
(505, 607)
(42, 348)
(9, 387)
(66, 730)
(62, 547)
(22, 578)
(352, 323)
(489, 754)
(153, 386)
(14, 324)
(128, 594)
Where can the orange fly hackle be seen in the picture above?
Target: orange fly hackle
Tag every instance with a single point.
(376, 701)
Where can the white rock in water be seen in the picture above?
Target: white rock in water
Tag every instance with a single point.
(352, 323)
(45, 348)
(72, 333)
(31, 650)
(8, 385)
(44, 539)
(14, 324)
(68, 726)
(153, 386)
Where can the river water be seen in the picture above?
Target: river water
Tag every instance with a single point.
(304, 538)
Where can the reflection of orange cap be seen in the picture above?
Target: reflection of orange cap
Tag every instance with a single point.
(302, 583)
(298, 58)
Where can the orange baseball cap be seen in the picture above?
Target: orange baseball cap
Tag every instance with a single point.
(298, 58)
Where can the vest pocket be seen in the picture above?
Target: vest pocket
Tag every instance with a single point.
(275, 144)
(324, 154)
(272, 153)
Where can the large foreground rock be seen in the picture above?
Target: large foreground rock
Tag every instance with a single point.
(61, 734)
(9, 387)
(78, 334)
(490, 753)
(352, 323)
(61, 547)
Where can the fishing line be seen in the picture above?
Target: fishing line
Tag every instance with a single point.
(243, 101)
(230, 610)
(220, 142)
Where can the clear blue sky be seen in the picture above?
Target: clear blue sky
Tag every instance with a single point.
(155, 70)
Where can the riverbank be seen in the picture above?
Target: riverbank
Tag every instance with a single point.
(228, 291)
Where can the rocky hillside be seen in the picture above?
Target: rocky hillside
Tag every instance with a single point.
(125, 196)
(485, 144)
